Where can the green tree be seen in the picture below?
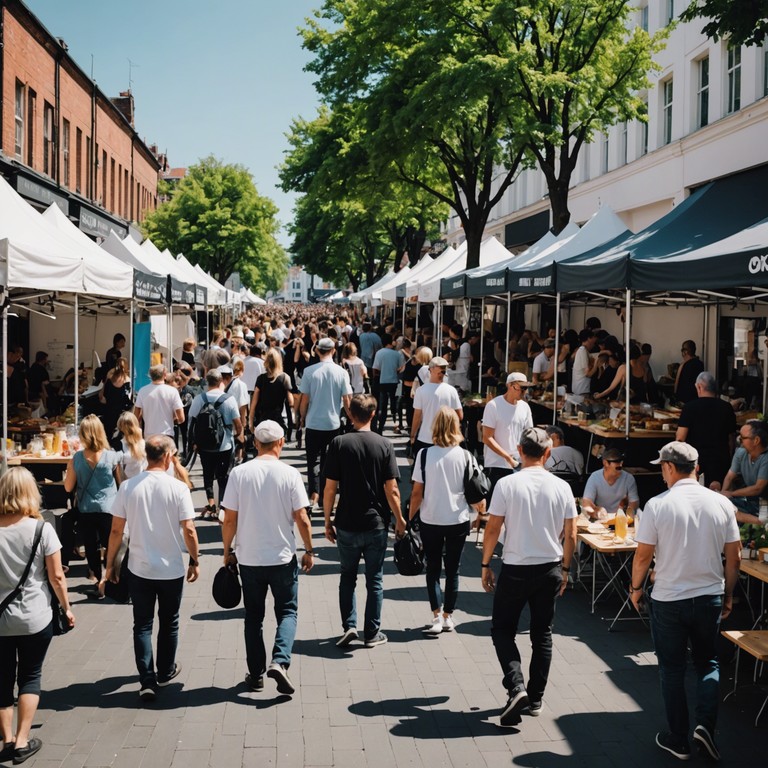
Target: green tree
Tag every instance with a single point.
(217, 219)
(743, 22)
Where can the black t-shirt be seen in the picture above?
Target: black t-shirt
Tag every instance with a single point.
(361, 462)
(36, 378)
(686, 384)
(272, 395)
(710, 422)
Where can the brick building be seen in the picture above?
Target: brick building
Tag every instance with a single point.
(62, 139)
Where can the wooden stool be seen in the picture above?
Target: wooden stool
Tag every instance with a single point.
(755, 643)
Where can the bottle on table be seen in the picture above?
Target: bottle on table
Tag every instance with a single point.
(621, 525)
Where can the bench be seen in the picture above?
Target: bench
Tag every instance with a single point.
(755, 643)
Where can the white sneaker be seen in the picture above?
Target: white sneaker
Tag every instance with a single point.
(448, 624)
(435, 628)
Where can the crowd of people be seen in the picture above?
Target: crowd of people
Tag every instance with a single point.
(330, 384)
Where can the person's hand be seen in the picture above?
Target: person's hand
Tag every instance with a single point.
(400, 528)
(511, 461)
(488, 580)
(637, 599)
(330, 533)
(193, 572)
(111, 575)
(727, 606)
(307, 561)
(727, 494)
(70, 617)
(564, 583)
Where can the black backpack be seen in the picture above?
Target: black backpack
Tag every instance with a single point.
(209, 424)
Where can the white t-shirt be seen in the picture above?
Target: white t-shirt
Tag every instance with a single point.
(30, 612)
(131, 465)
(422, 378)
(689, 526)
(158, 403)
(153, 505)
(508, 422)
(444, 502)
(535, 505)
(459, 376)
(265, 493)
(355, 367)
(580, 382)
(541, 363)
(253, 367)
(239, 391)
(565, 458)
(429, 399)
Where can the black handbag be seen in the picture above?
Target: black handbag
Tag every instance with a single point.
(59, 621)
(409, 553)
(226, 589)
(477, 485)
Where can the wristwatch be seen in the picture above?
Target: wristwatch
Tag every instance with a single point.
(193, 563)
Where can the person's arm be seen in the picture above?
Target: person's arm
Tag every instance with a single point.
(58, 581)
(588, 505)
(70, 478)
(346, 400)
(289, 398)
(237, 430)
(254, 405)
(460, 414)
(301, 519)
(732, 552)
(189, 532)
(489, 439)
(416, 424)
(392, 491)
(618, 379)
(640, 565)
(329, 498)
(137, 413)
(417, 496)
(681, 434)
(113, 545)
(228, 531)
(490, 539)
(569, 547)
(730, 479)
(756, 489)
(304, 407)
(178, 417)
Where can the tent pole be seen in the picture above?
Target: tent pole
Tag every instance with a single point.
(77, 356)
(130, 345)
(170, 337)
(627, 369)
(416, 326)
(556, 358)
(4, 467)
(404, 309)
(482, 341)
(509, 319)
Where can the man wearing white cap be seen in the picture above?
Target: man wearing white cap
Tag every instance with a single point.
(504, 420)
(428, 400)
(325, 388)
(687, 529)
(264, 499)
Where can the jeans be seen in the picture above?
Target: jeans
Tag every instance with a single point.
(518, 585)
(372, 547)
(21, 662)
(144, 594)
(215, 466)
(443, 544)
(317, 444)
(283, 582)
(387, 394)
(95, 528)
(674, 625)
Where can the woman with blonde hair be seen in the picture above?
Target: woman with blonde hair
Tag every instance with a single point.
(25, 607)
(134, 454)
(358, 373)
(422, 356)
(271, 393)
(438, 491)
(94, 472)
(188, 347)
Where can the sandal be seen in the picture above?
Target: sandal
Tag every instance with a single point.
(211, 512)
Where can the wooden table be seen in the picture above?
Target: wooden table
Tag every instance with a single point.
(757, 569)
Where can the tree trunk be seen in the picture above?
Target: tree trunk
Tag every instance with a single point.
(474, 234)
(415, 239)
(558, 201)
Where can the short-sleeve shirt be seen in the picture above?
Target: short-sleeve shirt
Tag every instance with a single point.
(229, 412)
(30, 612)
(581, 383)
(689, 526)
(429, 399)
(153, 505)
(387, 361)
(508, 422)
(239, 391)
(541, 363)
(325, 383)
(750, 472)
(361, 462)
(158, 403)
(535, 505)
(610, 496)
(253, 367)
(96, 487)
(265, 492)
(370, 344)
(711, 422)
(444, 502)
(565, 458)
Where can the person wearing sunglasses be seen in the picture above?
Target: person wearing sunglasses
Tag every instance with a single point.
(607, 487)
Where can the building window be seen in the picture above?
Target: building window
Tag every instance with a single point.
(644, 129)
(604, 152)
(31, 115)
(624, 146)
(702, 93)
(65, 153)
(78, 161)
(19, 114)
(670, 11)
(104, 174)
(644, 17)
(668, 93)
(88, 160)
(49, 161)
(125, 194)
(734, 79)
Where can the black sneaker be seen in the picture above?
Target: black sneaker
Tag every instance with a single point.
(255, 683)
(535, 707)
(518, 701)
(167, 680)
(378, 639)
(147, 693)
(280, 675)
(348, 636)
(706, 743)
(670, 744)
(22, 754)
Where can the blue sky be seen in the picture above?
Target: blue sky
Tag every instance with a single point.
(221, 77)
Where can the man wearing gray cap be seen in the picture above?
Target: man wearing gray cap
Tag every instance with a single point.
(687, 528)
(325, 388)
(538, 513)
(264, 499)
(428, 400)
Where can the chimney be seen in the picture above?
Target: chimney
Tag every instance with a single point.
(124, 102)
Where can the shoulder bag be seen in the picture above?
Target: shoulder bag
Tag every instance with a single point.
(409, 552)
(477, 484)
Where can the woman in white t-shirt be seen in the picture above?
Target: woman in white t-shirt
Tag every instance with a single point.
(438, 490)
(134, 456)
(358, 373)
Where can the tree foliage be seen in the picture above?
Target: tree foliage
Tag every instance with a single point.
(217, 219)
(743, 22)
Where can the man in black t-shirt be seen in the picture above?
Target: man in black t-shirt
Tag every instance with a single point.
(363, 467)
(709, 425)
(37, 378)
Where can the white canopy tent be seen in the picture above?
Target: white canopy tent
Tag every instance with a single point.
(403, 278)
(249, 297)
(359, 296)
(434, 267)
(374, 297)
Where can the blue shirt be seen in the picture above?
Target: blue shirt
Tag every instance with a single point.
(370, 344)
(229, 412)
(325, 383)
(750, 472)
(387, 361)
(96, 489)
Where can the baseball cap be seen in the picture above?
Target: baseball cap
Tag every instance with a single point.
(677, 453)
(535, 437)
(268, 431)
(438, 362)
(326, 343)
(225, 369)
(261, 346)
(518, 378)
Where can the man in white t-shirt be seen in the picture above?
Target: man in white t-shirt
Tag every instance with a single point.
(583, 365)
(459, 376)
(687, 529)
(543, 367)
(264, 499)
(504, 420)
(428, 400)
(159, 405)
(538, 513)
(158, 511)
(253, 366)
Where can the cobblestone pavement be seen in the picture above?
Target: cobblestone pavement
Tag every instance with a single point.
(417, 701)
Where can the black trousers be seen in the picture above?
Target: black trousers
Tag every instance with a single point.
(21, 661)
(95, 528)
(215, 467)
(317, 442)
